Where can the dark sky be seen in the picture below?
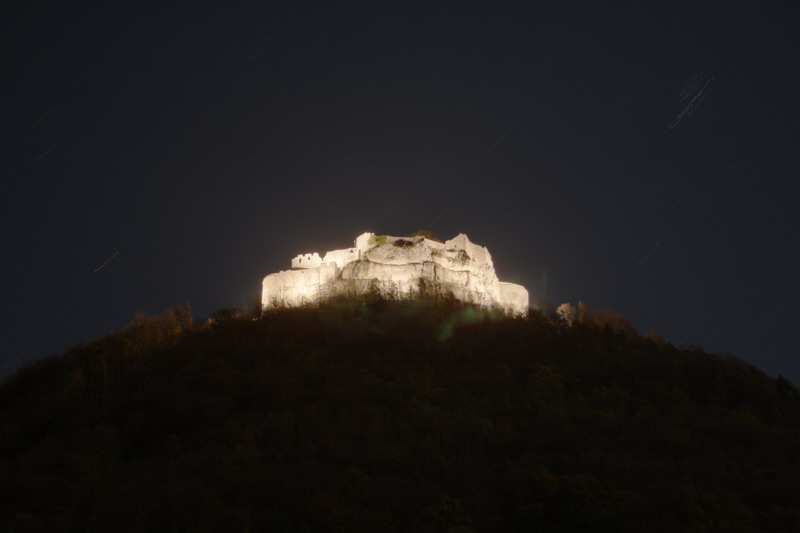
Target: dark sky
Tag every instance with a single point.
(638, 156)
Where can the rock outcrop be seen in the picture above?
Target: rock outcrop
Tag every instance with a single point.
(399, 267)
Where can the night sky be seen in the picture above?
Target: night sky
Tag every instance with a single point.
(638, 156)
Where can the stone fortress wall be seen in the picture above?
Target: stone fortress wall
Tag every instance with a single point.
(398, 266)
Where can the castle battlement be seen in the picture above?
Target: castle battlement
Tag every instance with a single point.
(398, 266)
(307, 261)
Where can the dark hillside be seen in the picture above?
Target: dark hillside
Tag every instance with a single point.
(395, 416)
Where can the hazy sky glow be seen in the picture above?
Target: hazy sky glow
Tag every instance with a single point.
(641, 157)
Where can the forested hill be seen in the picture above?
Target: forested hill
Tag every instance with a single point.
(395, 416)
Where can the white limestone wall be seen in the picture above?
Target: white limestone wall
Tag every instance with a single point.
(403, 278)
(390, 254)
(479, 253)
(434, 244)
(362, 241)
(307, 261)
(513, 297)
(457, 266)
(297, 287)
(341, 257)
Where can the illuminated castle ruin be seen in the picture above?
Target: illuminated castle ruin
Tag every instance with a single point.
(396, 266)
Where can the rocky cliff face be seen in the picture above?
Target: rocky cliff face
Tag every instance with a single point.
(399, 267)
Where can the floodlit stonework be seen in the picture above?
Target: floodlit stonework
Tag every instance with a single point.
(396, 266)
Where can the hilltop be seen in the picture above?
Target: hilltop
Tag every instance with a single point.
(395, 416)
